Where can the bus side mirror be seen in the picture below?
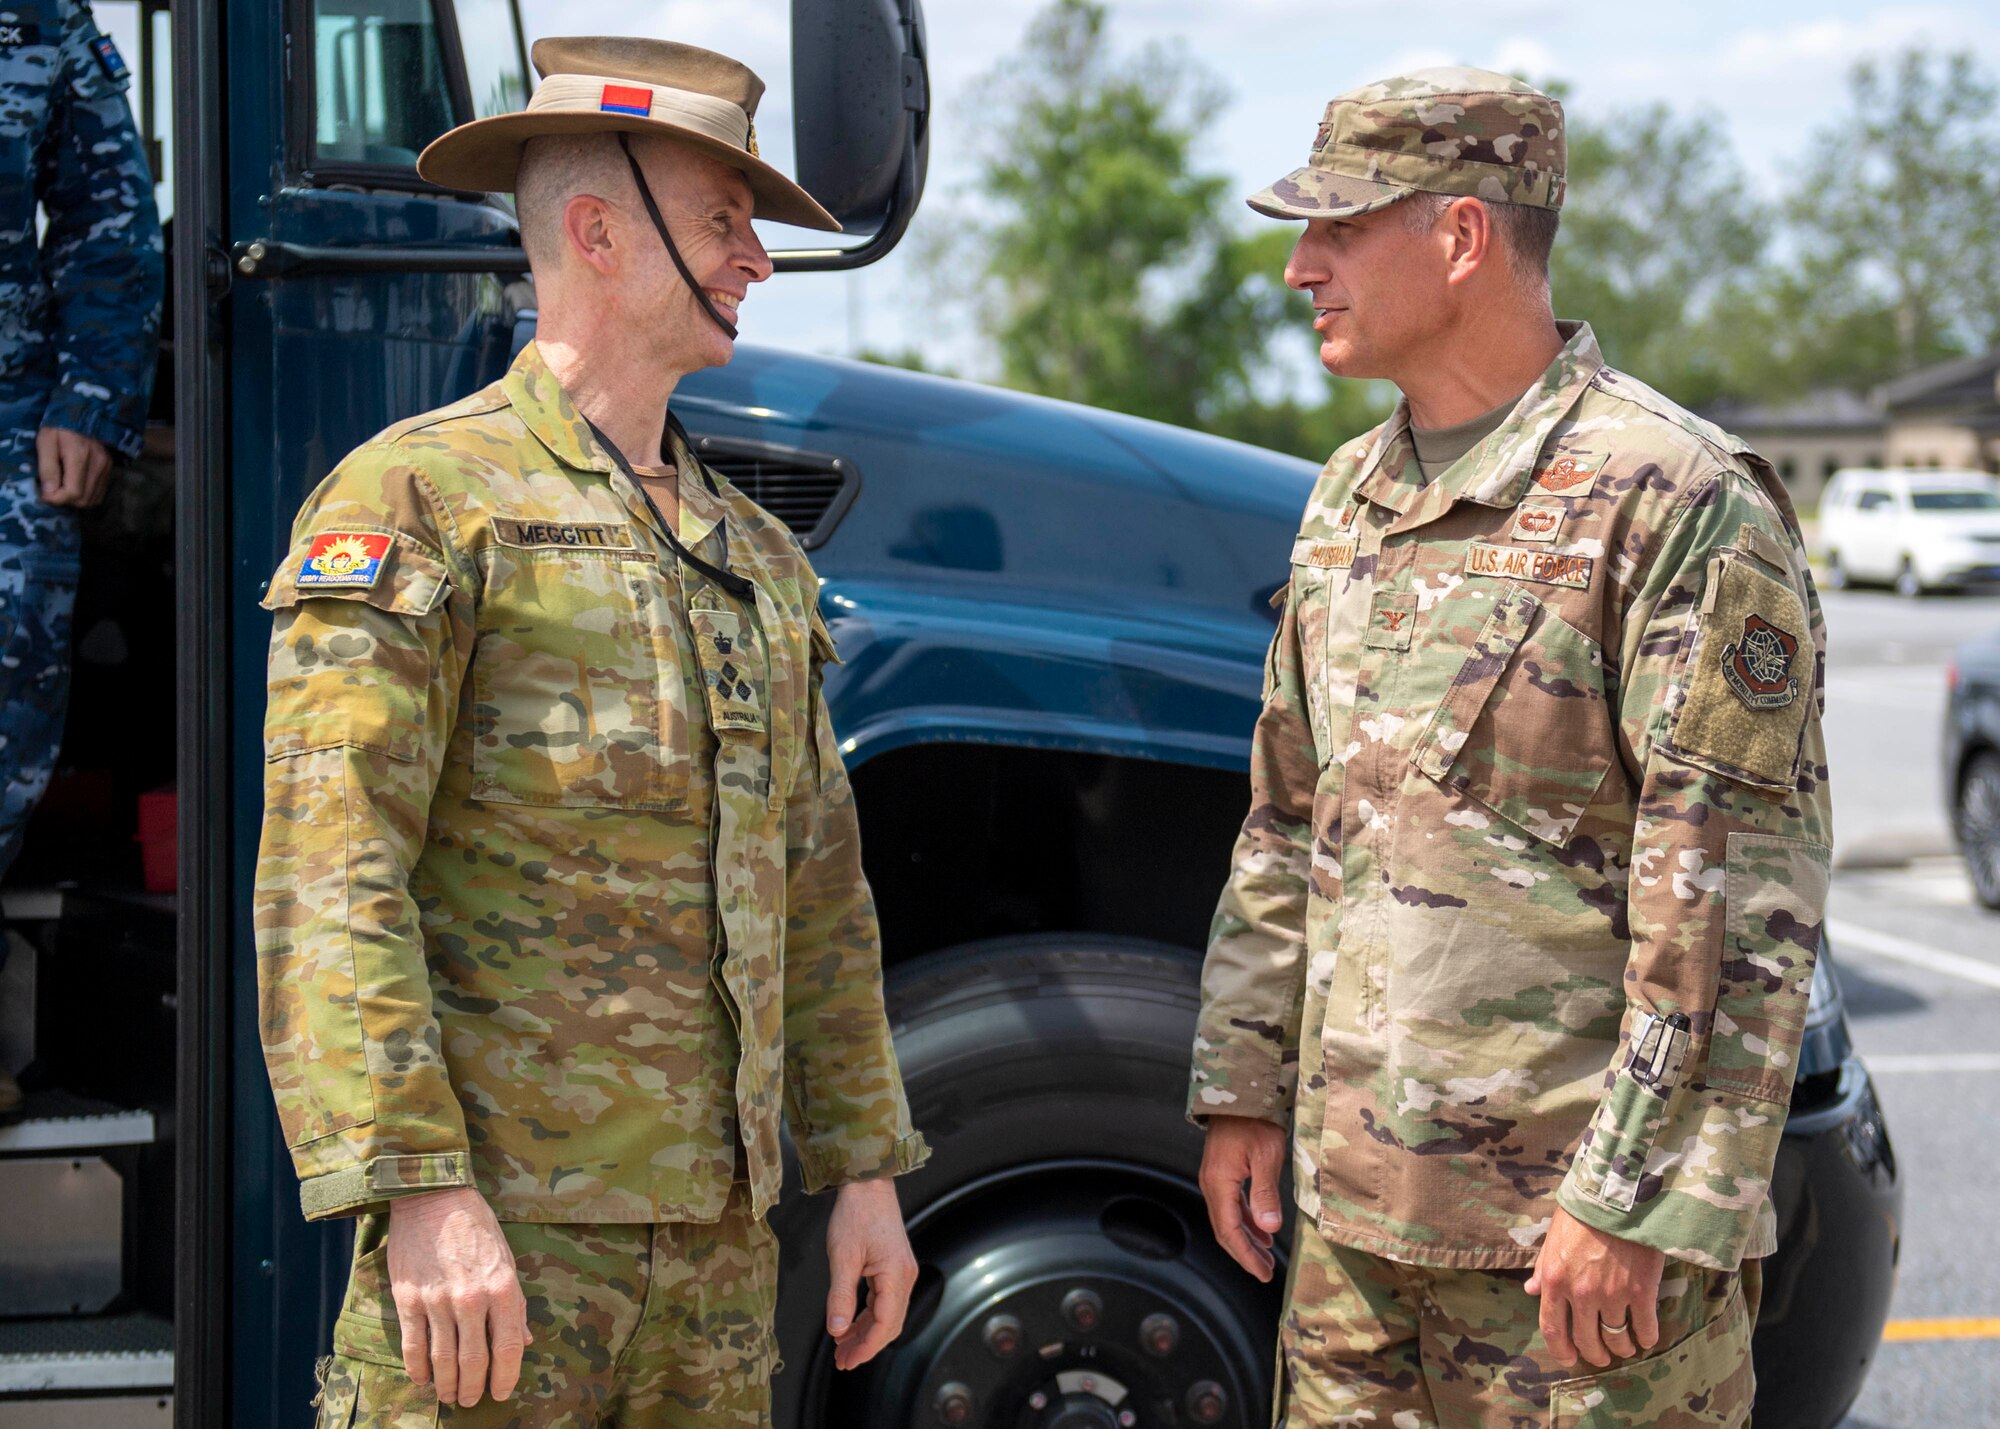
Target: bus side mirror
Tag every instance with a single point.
(860, 121)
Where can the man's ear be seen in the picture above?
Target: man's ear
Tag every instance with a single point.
(587, 232)
(1468, 232)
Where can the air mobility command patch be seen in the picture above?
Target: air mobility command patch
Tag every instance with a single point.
(345, 558)
(1570, 475)
(1758, 664)
(1738, 710)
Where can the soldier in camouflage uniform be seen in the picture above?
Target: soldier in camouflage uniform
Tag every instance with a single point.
(1519, 934)
(79, 319)
(560, 904)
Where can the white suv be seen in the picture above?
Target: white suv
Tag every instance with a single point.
(1915, 529)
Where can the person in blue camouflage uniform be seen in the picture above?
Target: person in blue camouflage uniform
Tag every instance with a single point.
(79, 323)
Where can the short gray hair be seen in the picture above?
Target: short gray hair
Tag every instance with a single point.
(555, 168)
(1526, 231)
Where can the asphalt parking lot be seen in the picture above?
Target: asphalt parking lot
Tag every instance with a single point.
(1920, 965)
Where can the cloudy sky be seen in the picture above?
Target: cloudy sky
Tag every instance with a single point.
(1774, 71)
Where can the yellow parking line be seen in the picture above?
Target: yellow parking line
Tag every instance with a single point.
(1970, 1327)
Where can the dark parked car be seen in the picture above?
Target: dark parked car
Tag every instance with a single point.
(1054, 621)
(1972, 761)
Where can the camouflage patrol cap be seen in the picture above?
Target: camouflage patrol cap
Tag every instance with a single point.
(1470, 133)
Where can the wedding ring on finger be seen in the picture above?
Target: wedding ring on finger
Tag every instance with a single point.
(1624, 1327)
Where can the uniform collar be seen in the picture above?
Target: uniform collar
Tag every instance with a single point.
(1498, 470)
(702, 510)
(546, 409)
(548, 412)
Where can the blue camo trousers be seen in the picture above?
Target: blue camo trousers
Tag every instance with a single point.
(39, 562)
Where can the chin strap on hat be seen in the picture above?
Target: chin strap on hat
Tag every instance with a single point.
(660, 226)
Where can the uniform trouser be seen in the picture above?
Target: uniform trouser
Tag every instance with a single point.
(38, 571)
(665, 1325)
(1372, 1342)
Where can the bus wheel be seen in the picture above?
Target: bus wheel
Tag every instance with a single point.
(1068, 1274)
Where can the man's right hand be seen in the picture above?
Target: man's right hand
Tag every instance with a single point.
(458, 1295)
(1240, 1149)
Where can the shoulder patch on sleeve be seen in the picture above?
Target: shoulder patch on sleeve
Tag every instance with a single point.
(109, 60)
(1746, 689)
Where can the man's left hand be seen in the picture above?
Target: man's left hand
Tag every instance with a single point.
(1592, 1284)
(865, 1241)
(72, 469)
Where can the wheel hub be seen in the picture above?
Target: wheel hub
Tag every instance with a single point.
(1074, 1298)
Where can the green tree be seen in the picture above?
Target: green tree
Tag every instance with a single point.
(1659, 246)
(1111, 273)
(1896, 222)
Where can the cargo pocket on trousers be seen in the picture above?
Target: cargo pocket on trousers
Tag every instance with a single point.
(1704, 1379)
(338, 1389)
(354, 1394)
(1524, 728)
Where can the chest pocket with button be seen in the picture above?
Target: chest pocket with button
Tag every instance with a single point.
(576, 685)
(1524, 727)
(1331, 604)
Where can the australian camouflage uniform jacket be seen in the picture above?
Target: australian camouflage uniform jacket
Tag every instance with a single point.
(560, 893)
(1526, 907)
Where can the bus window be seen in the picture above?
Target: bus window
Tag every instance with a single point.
(491, 43)
(380, 88)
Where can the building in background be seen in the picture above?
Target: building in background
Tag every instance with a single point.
(1947, 415)
(1809, 438)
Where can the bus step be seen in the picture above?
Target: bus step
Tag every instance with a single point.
(62, 1121)
(132, 1351)
(114, 1411)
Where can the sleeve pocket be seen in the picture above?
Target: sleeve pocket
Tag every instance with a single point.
(349, 665)
(1774, 891)
(408, 580)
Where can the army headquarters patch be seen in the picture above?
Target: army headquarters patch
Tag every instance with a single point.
(1482, 558)
(1758, 664)
(591, 536)
(1572, 474)
(345, 558)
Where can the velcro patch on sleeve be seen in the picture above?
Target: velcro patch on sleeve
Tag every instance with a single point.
(345, 559)
(1748, 682)
(1483, 558)
(109, 60)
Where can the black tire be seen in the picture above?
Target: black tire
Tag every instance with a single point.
(1039, 1069)
(1909, 584)
(1979, 825)
(1837, 577)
